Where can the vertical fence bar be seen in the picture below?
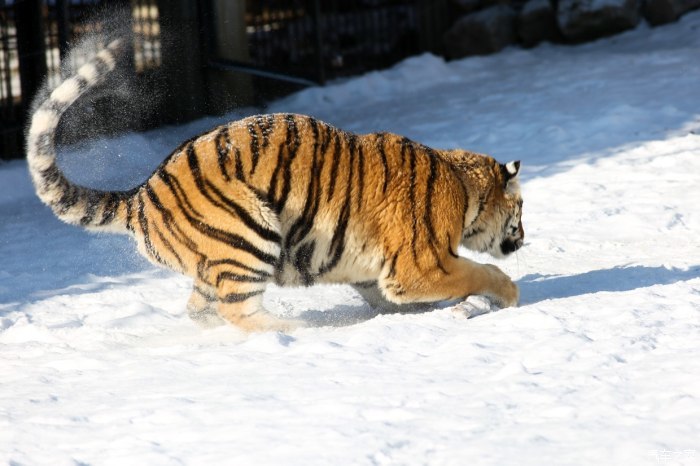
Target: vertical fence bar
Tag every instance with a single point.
(30, 47)
(62, 19)
(318, 36)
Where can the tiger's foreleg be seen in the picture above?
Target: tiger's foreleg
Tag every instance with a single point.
(458, 278)
(372, 295)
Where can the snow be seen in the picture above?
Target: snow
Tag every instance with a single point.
(99, 363)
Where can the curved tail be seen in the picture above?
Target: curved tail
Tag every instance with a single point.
(77, 205)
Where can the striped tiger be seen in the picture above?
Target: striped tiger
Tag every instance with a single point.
(288, 199)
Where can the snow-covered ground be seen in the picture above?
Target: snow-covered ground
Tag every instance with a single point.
(601, 363)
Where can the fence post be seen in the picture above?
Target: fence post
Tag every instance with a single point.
(182, 65)
(30, 48)
(433, 21)
(225, 23)
(318, 24)
(62, 24)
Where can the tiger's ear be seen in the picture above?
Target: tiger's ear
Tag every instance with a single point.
(510, 170)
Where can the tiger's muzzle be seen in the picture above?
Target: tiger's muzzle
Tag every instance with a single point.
(513, 243)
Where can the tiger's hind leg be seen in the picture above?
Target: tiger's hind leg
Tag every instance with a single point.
(235, 290)
(245, 310)
(202, 306)
(231, 291)
(239, 248)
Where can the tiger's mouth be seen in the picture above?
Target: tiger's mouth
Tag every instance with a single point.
(511, 245)
(514, 241)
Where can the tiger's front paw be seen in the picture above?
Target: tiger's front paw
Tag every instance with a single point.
(511, 295)
(504, 292)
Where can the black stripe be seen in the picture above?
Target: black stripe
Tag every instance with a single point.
(430, 185)
(337, 247)
(427, 217)
(304, 223)
(449, 247)
(70, 196)
(239, 165)
(143, 224)
(222, 152)
(110, 209)
(225, 203)
(491, 243)
(302, 262)
(231, 239)
(209, 297)
(246, 218)
(193, 163)
(254, 146)
(392, 266)
(170, 223)
(101, 65)
(366, 284)
(93, 200)
(54, 106)
(482, 202)
(506, 225)
(181, 196)
(412, 194)
(169, 246)
(239, 297)
(81, 82)
(236, 277)
(360, 175)
(326, 137)
(265, 123)
(474, 232)
(480, 209)
(235, 263)
(44, 142)
(129, 212)
(336, 162)
(291, 144)
(385, 163)
(338, 241)
(51, 175)
(274, 179)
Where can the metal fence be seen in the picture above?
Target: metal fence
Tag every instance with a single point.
(10, 93)
(317, 40)
(301, 42)
(34, 38)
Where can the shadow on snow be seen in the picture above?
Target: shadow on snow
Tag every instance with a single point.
(536, 287)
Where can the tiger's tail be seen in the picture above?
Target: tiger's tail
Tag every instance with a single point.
(73, 204)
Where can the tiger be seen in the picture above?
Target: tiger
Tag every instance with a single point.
(291, 200)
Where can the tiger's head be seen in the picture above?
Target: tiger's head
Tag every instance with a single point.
(493, 221)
